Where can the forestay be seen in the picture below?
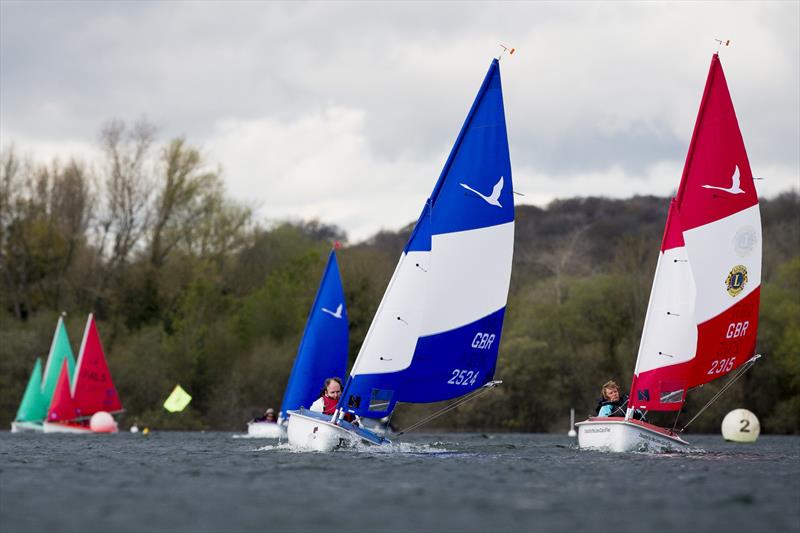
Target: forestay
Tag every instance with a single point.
(702, 316)
(323, 348)
(437, 330)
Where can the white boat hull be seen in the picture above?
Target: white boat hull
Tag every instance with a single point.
(266, 430)
(620, 435)
(18, 426)
(55, 427)
(312, 431)
(379, 427)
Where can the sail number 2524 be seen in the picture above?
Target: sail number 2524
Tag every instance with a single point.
(463, 377)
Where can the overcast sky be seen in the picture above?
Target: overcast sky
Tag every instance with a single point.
(346, 111)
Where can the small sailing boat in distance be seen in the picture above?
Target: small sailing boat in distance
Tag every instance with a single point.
(436, 333)
(702, 317)
(35, 402)
(322, 352)
(91, 391)
(33, 407)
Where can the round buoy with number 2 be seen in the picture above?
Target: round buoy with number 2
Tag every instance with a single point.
(740, 425)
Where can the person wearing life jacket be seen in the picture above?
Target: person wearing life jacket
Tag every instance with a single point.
(328, 397)
(612, 402)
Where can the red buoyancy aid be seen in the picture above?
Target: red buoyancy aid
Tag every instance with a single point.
(329, 405)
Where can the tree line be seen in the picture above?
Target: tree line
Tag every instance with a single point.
(189, 287)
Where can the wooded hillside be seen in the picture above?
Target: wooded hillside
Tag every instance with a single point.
(189, 288)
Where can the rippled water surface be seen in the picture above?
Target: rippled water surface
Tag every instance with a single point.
(174, 481)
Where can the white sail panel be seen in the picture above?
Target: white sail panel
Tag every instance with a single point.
(715, 250)
(669, 335)
(469, 276)
(389, 344)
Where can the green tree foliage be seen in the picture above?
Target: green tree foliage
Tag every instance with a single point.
(189, 289)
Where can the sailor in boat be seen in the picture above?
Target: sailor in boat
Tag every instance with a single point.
(268, 416)
(329, 399)
(614, 403)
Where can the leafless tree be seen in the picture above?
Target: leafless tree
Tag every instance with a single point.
(127, 190)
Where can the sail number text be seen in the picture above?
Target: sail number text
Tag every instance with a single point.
(737, 329)
(483, 341)
(721, 365)
(463, 377)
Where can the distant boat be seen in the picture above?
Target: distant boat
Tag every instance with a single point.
(322, 352)
(91, 391)
(437, 330)
(34, 405)
(702, 317)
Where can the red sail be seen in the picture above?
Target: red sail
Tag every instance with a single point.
(717, 180)
(703, 312)
(93, 389)
(62, 408)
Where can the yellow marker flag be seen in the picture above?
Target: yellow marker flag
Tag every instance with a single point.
(178, 400)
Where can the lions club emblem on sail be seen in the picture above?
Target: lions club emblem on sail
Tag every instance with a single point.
(736, 280)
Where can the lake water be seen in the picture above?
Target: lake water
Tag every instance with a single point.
(182, 481)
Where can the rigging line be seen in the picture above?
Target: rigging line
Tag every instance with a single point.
(474, 394)
(676, 420)
(745, 367)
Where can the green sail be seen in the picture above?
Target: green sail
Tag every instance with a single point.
(59, 350)
(33, 407)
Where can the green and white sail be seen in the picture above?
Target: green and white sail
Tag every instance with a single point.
(33, 407)
(60, 350)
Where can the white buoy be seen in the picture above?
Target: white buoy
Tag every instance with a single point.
(134, 429)
(102, 422)
(571, 432)
(740, 425)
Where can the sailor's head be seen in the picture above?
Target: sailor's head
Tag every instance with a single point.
(332, 388)
(610, 391)
(269, 414)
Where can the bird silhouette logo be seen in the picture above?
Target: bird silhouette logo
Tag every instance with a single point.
(492, 199)
(735, 184)
(337, 314)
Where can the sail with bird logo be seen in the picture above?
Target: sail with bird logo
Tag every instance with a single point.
(702, 316)
(436, 333)
(323, 347)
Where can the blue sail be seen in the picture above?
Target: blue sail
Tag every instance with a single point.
(437, 330)
(323, 347)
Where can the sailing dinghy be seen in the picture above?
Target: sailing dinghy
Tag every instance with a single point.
(90, 392)
(33, 407)
(322, 352)
(36, 400)
(436, 333)
(702, 317)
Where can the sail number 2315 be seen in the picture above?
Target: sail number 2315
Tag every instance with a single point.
(721, 365)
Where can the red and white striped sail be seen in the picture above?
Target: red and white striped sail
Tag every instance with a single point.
(703, 313)
(92, 389)
(62, 408)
